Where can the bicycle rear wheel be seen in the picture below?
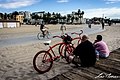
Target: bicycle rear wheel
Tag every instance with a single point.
(42, 62)
(68, 52)
(48, 34)
(61, 49)
(40, 36)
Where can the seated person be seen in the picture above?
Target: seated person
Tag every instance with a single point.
(101, 47)
(86, 52)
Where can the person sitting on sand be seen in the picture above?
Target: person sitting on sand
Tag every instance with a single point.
(101, 47)
(86, 53)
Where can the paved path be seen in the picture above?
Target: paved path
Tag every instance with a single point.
(33, 38)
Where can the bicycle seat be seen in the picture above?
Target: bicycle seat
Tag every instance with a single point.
(47, 42)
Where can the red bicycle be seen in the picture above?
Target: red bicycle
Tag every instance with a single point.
(62, 47)
(77, 38)
(43, 60)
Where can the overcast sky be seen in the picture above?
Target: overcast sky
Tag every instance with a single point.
(92, 8)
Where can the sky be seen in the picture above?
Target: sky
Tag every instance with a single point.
(91, 8)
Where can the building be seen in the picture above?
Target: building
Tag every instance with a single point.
(74, 18)
(9, 24)
(21, 13)
(20, 18)
(27, 15)
(40, 14)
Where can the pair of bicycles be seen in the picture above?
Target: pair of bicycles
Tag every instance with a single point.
(43, 60)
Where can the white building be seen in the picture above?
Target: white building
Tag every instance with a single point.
(9, 24)
(27, 15)
(40, 14)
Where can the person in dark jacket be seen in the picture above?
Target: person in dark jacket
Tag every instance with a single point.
(86, 53)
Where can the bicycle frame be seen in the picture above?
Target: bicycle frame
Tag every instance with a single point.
(52, 51)
(79, 36)
(78, 40)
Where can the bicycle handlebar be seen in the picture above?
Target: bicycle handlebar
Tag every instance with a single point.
(78, 33)
(60, 36)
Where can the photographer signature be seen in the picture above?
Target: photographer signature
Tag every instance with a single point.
(105, 75)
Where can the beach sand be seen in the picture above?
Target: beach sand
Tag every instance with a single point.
(16, 61)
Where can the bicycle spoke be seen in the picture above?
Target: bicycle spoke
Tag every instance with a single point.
(42, 62)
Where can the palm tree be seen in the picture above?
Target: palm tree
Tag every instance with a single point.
(72, 19)
(69, 18)
(9, 16)
(58, 16)
(14, 14)
(5, 16)
(76, 18)
(1, 15)
(80, 14)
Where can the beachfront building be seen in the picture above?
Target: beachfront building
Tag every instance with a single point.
(75, 18)
(20, 18)
(9, 24)
(27, 15)
(21, 13)
(39, 14)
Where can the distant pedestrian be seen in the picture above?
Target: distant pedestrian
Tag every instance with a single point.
(109, 22)
(35, 24)
(89, 24)
(62, 28)
(103, 24)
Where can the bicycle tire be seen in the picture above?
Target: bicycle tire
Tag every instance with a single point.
(48, 34)
(46, 62)
(39, 36)
(60, 49)
(68, 52)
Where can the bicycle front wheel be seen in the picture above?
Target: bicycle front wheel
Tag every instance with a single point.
(68, 52)
(48, 34)
(40, 36)
(42, 62)
(61, 49)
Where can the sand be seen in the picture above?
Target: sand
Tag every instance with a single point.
(16, 61)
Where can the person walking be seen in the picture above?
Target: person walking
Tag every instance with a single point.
(62, 28)
(89, 24)
(103, 24)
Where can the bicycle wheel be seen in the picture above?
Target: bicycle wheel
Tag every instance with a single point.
(40, 36)
(48, 34)
(42, 62)
(61, 49)
(68, 52)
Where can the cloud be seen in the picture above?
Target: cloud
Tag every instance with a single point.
(62, 1)
(8, 4)
(112, 13)
(108, 12)
(111, 1)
